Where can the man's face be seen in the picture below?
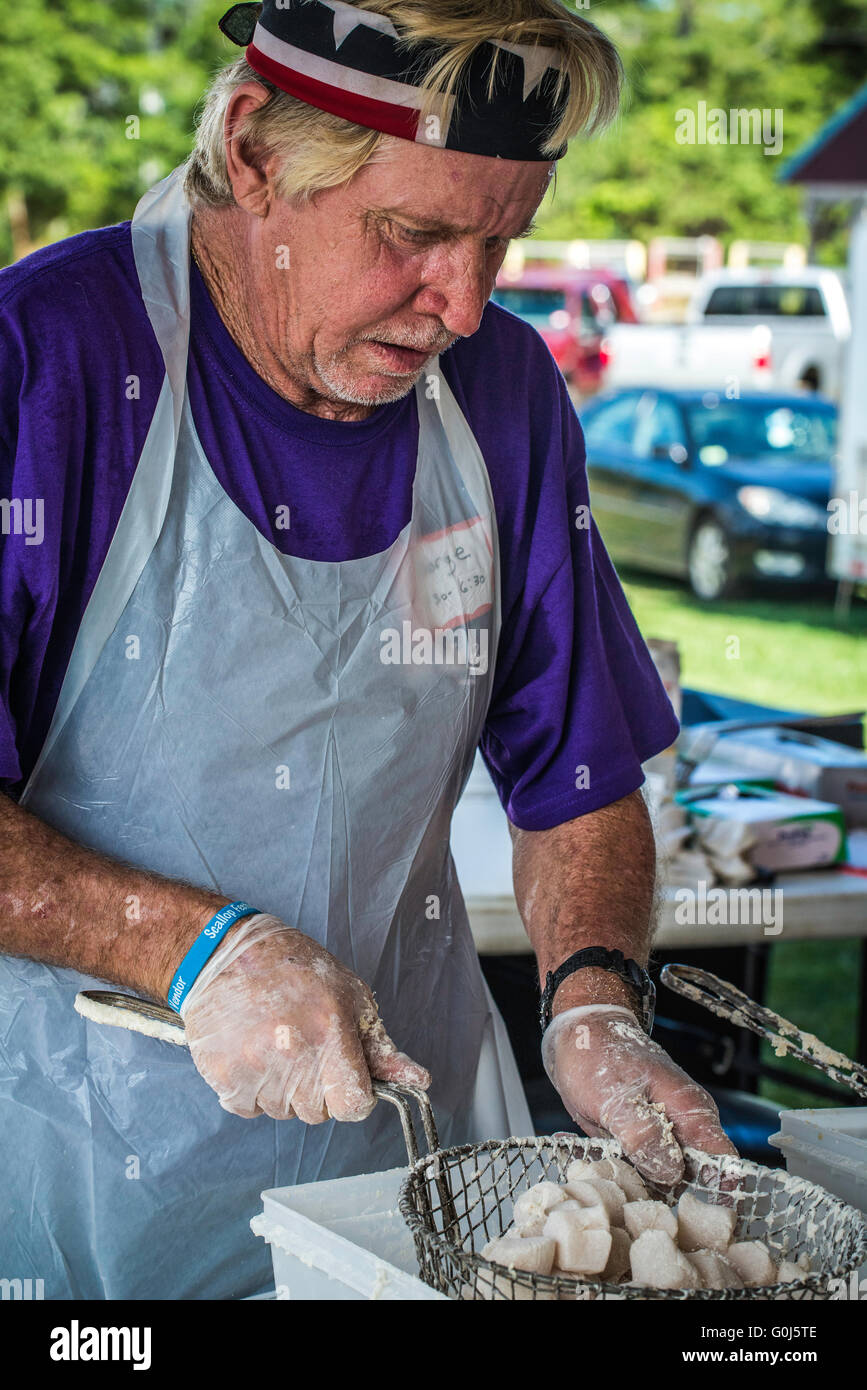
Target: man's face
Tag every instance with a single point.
(390, 269)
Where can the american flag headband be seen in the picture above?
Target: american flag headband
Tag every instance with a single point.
(350, 61)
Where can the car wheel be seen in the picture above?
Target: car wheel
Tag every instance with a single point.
(709, 561)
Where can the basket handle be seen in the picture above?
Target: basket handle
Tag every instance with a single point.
(126, 1011)
(399, 1097)
(110, 1007)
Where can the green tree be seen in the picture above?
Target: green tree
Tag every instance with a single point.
(637, 181)
(98, 103)
(99, 99)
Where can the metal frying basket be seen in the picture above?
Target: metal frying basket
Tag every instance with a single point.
(455, 1200)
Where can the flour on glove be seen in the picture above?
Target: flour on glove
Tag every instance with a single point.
(277, 1026)
(617, 1082)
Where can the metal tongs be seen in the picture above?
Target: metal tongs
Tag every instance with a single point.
(127, 1011)
(108, 1006)
(730, 1003)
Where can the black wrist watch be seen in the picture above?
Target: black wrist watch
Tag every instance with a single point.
(616, 963)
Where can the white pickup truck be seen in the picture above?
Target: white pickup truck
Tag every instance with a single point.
(768, 330)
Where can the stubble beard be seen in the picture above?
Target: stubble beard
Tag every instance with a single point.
(340, 380)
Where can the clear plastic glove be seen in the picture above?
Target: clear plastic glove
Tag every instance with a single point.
(616, 1082)
(277, 1026)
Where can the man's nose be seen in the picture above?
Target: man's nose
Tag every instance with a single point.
(458, 285)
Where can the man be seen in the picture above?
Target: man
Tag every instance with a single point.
(314, 528)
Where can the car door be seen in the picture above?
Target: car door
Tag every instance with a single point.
(608, 432)
(659, 493)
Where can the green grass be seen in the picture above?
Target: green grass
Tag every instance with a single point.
(815, 984)
(793, 654)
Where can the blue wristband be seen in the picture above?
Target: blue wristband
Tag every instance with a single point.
(203, 948)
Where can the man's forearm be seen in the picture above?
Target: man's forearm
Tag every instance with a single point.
(589, 882)
(64, 905)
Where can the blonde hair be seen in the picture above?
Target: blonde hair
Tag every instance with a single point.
(322, 150)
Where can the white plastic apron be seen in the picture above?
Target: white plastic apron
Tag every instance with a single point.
(209, 671)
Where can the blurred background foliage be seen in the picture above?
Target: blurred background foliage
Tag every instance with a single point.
(636, 181)
(73, 73)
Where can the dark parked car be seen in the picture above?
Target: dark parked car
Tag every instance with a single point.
(714, 490)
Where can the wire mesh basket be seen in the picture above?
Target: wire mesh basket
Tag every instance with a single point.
(456, 1200)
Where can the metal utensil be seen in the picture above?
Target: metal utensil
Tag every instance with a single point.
(724, 1000)
(126, 1011)
(107, 1006)
(456, 1199)
(791, 1216)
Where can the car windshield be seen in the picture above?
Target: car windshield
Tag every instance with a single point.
(535, 306)
(739, 429)
(766, 301)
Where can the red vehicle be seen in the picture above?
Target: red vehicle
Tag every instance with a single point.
(573, 310)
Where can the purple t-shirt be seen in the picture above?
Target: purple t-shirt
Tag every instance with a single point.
(574, 683)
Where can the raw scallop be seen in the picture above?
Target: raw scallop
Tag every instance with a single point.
(614, 1169)
(714, 1270)
(701, 1226)
(532, 1253)
(532, 1206)
(649, 1216)
(581, 1249)
(752, 1260)
(656, 1261)
(593, 1191)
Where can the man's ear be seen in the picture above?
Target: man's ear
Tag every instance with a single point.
(250, 183)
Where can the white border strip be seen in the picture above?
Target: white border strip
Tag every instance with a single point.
(431, 131)
(363, 84)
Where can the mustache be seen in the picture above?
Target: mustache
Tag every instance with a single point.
(417, 340)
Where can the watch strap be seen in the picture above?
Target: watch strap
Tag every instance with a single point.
(600, 958)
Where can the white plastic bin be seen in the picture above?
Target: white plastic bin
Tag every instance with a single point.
(343, 1239)
(828, 1147)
